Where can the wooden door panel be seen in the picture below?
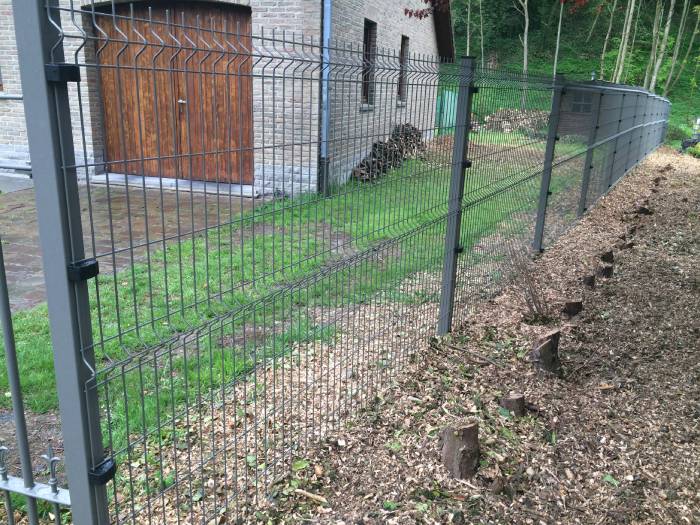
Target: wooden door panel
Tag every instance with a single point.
(176, 91)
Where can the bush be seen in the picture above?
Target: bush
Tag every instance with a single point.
(695, 151)
(675, 133)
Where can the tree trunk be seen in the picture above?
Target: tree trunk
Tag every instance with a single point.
(556, 51)
(469, 27)
(515, 403)
(523, 9)
(460, 450)
(481, 33)
(690, 47)
(677, 46)
(607, 39)
(634, 35)
(622, 55)
(595, 21)
(662, 49)
(654, 43)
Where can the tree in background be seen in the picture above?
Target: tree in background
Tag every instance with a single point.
(654, 43)
(696, 10)
(662, 48)
(469, 27)
(522, 7)
(607, 40)
(556, 51)
(624, 41)
(677, 45)
(634, 37)
(481, 33)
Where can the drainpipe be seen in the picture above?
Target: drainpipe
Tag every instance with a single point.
(323, 164)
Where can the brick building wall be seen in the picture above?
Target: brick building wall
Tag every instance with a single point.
(13, 134)
(355, 126)
(286, 80)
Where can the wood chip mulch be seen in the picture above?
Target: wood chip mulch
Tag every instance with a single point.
(614, 439)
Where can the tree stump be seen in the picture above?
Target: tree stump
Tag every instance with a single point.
(573, 306)
(589, 280)
(607, 257)
(545, 353)
(514, 403)
(605, 270)
(460, 450)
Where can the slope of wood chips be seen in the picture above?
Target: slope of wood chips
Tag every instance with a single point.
(615, 439)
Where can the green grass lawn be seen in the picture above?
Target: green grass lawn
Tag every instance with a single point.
(402, 217)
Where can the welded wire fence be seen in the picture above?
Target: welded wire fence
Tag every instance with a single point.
(260, 231)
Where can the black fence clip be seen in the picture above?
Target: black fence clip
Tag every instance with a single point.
(474, 90)
(104, 472)
(62, 72)
(466, 164)
(83, 270)
(459, 249)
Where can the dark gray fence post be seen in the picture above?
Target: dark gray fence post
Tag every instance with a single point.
(588, 162)
(49, 130)
(454, 217)
(548, 160)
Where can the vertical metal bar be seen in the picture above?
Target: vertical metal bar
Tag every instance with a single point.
(49, 130)
(454, 217)
(587, 163)
(547, 168)
(16, 392)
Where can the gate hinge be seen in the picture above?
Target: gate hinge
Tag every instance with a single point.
(104, 472)
(83, 270)
(62, 72)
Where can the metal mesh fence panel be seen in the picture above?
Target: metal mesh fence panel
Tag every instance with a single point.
(265, 229)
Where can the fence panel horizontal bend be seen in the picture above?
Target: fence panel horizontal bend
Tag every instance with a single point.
(259, 262)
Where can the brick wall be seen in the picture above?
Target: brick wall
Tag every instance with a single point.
(285, 89)
(13, 135)
(354, 125)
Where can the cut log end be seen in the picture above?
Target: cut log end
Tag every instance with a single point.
(545, 353)
(460, 450)
(608, 257)
(606, 271)
(589, 280)
(514, 403)
(573, 307)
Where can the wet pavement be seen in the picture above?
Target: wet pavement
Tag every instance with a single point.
(119, 225)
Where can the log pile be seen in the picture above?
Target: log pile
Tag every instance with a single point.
(405, 141)
(508, 120)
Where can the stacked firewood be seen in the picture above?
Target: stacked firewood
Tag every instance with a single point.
(405, 141)
(508, 120)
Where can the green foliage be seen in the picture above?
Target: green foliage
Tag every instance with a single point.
(695, 151)
(675, 133)
(580, 55)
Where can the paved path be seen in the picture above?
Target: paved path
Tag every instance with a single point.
(153, 215)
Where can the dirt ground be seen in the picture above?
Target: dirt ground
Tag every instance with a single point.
(615, 438)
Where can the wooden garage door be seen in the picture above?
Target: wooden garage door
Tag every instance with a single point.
(176, 90)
